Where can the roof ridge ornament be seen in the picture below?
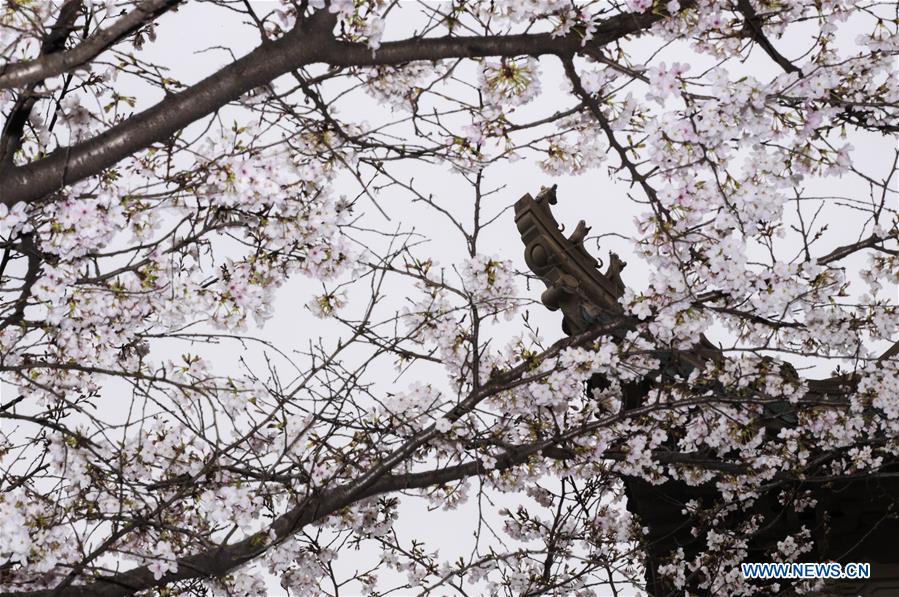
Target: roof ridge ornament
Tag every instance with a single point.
(574, 282)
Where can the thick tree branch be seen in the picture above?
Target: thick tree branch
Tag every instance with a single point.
(840, 252)
(28, 72)
(54, 41)
(219, 561)
(76, 162)
(311, 42)
(754, 29)
(612, 29)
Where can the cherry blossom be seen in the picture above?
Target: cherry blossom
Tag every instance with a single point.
(255, 319)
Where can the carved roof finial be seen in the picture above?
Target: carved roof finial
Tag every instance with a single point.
(547, 195)
(572, 277)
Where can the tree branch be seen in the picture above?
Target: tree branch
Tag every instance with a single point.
(53, 42)
(310, 42)
(28, 248)
(27, 72)
(754, 28)
(218, 561)
(840, 252)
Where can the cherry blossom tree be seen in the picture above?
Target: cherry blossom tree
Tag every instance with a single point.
(155, 439)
